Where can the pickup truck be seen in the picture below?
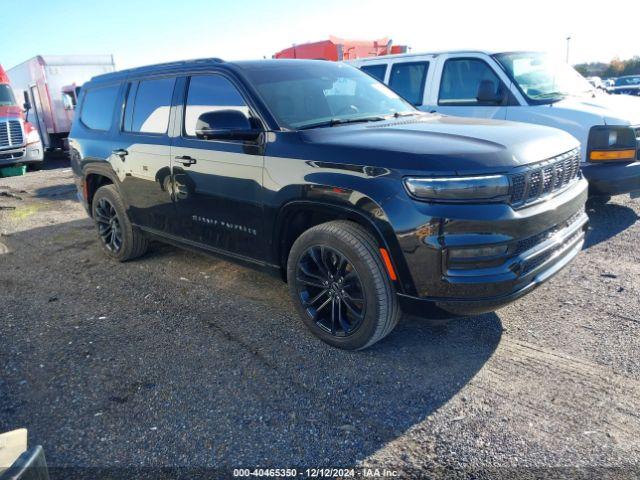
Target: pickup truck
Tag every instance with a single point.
(526, 87)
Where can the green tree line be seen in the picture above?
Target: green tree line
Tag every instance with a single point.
(615, 68)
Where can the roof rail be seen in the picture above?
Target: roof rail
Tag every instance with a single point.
(146, 68)
(174, 64)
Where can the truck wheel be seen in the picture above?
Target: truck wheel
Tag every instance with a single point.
(119, 239)
(340, 286)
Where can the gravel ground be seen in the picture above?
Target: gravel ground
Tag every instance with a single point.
(179, 360)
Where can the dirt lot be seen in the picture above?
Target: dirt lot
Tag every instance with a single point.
(177, 359)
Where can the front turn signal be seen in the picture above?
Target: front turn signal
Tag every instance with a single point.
(605, 155)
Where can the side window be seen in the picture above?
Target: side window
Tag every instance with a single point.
(407, 79)
(208, 93)
(462, 80)
(150, 104)
(376, 71)
(98, 106)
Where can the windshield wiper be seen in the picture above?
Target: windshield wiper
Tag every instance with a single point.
(552, 95)
(406, 114)
(341, 121)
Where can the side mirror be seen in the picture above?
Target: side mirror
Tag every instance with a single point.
(27, 103)
(226, 124)
(487, 93)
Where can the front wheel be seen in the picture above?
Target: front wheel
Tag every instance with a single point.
(340, 286)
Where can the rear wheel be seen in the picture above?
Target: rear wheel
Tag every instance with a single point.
(119, 239)
(340, 286)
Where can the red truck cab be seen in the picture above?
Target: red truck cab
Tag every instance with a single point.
(19, 140)
(339, 49)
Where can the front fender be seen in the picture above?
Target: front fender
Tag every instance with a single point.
(336, 201)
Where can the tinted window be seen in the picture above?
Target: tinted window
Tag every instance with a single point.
(97, 109)
(408, 80)
(376, 71)
(208, 93)
(461, 80)
(151, 105)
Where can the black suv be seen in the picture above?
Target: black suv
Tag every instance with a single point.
(318, 172)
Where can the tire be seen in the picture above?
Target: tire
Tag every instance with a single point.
(357, 282)
(107, 205)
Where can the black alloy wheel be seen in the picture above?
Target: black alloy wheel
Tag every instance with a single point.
(108, 224)
(330, 290)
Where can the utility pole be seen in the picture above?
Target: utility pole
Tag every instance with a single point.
(568, 42)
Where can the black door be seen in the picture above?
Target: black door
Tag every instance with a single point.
(143, 147)
(216, 184)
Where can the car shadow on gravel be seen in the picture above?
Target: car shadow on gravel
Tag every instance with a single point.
(607, 221)
(139, 364)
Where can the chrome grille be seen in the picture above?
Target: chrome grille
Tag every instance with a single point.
(10, 133)
(545, 178)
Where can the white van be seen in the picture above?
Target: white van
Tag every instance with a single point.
(525, 87)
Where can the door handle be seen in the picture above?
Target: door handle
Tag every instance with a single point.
(120, 152)
(186, 160)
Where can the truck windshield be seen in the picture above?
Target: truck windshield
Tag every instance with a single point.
(6, 96)
(541, 78)
(307, 94)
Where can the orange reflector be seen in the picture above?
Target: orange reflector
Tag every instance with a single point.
(85, 189)
(387, 263)
(612, 155)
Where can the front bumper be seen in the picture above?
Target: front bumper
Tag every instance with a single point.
(560, 255)
(539, 240)
(612, 178)
(32, 153)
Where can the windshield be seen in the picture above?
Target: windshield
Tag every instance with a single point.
(626, 81)
(306, 94)
(6, 96)
(541, 78)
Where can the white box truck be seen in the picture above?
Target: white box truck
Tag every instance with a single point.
(49, 86)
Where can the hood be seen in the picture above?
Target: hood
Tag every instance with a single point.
(436, 143)
(11, 111)
(610, 109)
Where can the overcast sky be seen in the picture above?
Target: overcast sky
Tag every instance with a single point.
(143, 32)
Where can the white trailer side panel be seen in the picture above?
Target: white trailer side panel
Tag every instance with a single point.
(65, 70)
(43, 77)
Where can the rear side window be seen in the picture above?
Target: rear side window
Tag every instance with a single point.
(461, 80)
(148, 106)
(98, 106)
(407, 80)
(376, 71)
(209, 93)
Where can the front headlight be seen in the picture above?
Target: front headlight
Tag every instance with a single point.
(459, 189)
(611, 143)
(32, 134)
